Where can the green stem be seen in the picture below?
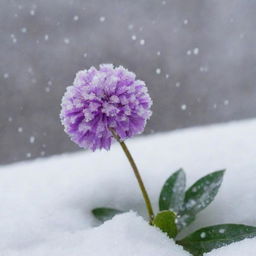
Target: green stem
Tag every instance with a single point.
(137, 175)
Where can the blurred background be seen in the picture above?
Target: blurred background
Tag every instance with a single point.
(198, 59)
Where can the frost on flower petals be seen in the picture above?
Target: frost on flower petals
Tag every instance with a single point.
(101, 99)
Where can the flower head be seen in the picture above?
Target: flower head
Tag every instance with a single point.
(103, 99)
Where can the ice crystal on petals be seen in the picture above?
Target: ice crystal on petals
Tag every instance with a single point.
(109, 97)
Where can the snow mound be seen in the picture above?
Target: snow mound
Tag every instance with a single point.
(46, 203)
(242, 248)
(126, 234)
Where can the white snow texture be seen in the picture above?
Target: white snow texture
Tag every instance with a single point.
(46, 203)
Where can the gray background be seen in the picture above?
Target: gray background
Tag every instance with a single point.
(204, 50)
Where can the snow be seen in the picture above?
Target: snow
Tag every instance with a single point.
(102, 19)
(158, 71)
(66, 40)
(23, 30)
(203, 69)
(130, 27)
(32, 139)
(203, 235)
(47, 89)
(28, 155)
(196, 51)
(46, 203)
(75, 18)
(226, 102)
(142, 42)
(126, 234)
(183, 107)
(6, 75)
(14, 39)
(20, 129)
(32, 12)
(245, 247)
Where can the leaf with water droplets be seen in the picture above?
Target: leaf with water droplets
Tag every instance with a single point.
(209, 238)
(104, 214)
(199, 196)
(173, 191)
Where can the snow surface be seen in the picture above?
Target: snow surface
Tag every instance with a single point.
(246, 247)
(126, 234)
(46, 203)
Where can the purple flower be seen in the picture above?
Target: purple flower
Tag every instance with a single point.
(102, 99)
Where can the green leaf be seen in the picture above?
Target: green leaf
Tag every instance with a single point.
(104, 214)
(209, 238)
(199, 196)
(173, 191)
(165, 220)
(184, 220)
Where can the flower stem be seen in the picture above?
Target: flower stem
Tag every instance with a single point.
(137, 175)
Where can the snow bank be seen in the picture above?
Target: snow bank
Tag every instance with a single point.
(246, 247)
(126, 234)
(46, 203)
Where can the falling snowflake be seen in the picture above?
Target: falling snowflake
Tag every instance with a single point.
(32, 12)
(23, 30)
(158, 71)
(14, 39)
(226, 102)
(75, 18)
(42, 153)
(203, 69)
(66, 40)
(102, 19)
(130, 27)
(196, 51)
(32, 139)
(183, 107)
(6, 75)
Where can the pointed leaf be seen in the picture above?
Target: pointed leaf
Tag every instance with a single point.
(104, 214)
(165, 220)
(209, 238)
(173, 191)
(199, 196)
(184, 220)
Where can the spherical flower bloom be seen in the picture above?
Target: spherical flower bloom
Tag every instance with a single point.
(104, 99)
